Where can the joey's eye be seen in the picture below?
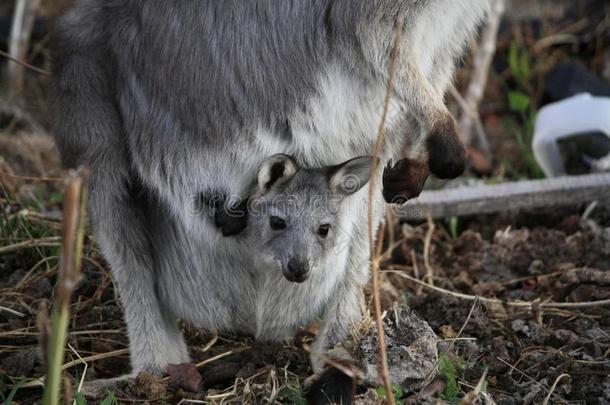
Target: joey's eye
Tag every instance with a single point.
(323, 230)
(277, 223)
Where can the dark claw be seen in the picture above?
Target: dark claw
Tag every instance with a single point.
(332, 387)
(232, 220)
(403, 180)
(446, 153)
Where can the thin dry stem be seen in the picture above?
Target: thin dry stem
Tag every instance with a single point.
(472, 396)
(518, 304)
(75, 200)
(41, 242)
(482, 63)
(427, 248)
(374, 262)
(552, 390)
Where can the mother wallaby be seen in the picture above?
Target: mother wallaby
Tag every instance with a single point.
(175, 104)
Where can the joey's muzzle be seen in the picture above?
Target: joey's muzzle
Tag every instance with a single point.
(297, 270)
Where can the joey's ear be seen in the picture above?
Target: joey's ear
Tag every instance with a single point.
(349, 177)
(275, 170)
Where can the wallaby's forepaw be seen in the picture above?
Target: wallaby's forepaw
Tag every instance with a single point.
(331, 387)
(446, 153)
(232, 220)
(404, 180)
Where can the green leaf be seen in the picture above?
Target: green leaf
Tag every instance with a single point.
(518, 101)
(524, 66)
(447, 370)
(56, 197)
(109, 400)
(80, 399)
(513, 60)
(453, 227)
(11, 395)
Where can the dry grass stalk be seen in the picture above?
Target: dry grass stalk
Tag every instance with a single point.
(552, 390)
(75, 201)
(374, 261)
(40, 242)
(19, 41)
(517, 304)
(472, 397)
(482, 63)
(427, 248)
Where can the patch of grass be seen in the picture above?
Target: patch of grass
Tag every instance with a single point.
(290, 395)
(450, 371)
(11, 395)
(109, 400)
(396, 389)
(521, 102)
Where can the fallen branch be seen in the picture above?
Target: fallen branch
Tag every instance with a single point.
(487, 199)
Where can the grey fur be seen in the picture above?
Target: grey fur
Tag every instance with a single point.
(169, 101)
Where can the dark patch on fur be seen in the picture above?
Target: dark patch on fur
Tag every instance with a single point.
(332, 387)
(284, 129)
(446, 153)
(404, 180)
(232, 219)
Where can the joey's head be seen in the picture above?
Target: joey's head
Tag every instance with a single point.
(295, 216)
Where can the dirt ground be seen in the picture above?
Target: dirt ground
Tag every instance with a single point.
(527, 353)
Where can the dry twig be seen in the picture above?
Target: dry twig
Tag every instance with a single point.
(472, 396)
(482, 62)
(374, 263)
(517, 304)
(552, 390)
(41, 242)
(19, 41)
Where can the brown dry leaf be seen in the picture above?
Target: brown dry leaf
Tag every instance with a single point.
(447, 332)
(185, 376)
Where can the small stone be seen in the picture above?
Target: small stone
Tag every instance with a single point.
(411, 347)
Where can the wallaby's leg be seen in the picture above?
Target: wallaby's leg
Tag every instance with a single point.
(340, 317)
(343, 313)
(89, 131)
(441, 148)
(120, 226)
(434, 147)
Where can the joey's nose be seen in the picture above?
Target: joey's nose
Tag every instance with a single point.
(297, 270)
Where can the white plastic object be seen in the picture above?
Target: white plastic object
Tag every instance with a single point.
(579, 114)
